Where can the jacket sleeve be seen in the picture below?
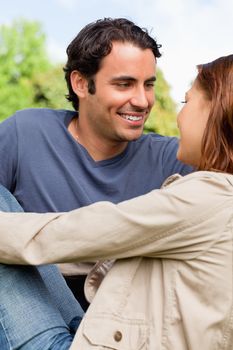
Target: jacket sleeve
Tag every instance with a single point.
(179, 221)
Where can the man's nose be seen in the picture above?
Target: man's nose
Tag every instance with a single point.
(140, 98)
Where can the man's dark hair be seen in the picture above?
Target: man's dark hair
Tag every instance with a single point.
(94, 42)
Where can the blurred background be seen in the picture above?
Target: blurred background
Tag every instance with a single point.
(34, 36)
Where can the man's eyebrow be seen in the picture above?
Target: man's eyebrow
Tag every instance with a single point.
(129, 78)
(123, 77)
(151, 79)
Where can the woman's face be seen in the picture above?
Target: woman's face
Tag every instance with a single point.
(191, 122)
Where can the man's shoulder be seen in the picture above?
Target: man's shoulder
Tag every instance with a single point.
(26, 120)
(162, 151)
(157, 140)
(153, 137)
(38, 114)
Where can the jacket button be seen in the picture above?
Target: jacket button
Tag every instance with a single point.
(118, 336)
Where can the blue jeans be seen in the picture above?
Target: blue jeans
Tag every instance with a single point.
(37, 309)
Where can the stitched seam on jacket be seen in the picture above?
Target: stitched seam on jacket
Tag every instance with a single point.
(164, 233)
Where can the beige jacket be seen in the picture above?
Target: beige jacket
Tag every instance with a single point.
(173, 285)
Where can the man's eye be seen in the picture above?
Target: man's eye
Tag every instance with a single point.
(149, 86)
(123, 84)
(152, 84)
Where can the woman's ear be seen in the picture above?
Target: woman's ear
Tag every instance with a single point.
(79, 84)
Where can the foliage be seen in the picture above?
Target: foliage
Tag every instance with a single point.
(50, 89)
(22, 56)
(163, 115)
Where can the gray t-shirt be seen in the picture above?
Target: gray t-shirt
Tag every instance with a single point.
(47, 170)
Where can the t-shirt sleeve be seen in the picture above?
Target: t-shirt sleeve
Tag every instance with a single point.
(171, 165)
(8, 153)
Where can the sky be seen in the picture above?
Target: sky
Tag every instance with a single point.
(190, 31)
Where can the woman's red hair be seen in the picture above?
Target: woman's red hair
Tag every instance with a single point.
(215, 79)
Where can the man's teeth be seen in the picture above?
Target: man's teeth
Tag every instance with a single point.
(132, 117)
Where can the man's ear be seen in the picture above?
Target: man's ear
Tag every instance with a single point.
(79, 83)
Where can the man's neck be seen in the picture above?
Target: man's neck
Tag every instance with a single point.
(97, 147)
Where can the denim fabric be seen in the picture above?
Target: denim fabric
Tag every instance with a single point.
(8, 202)
(37, 309)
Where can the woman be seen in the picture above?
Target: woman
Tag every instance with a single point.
(171, 286)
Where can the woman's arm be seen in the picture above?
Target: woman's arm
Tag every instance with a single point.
(179, 221)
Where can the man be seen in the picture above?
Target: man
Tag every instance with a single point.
(62, 160)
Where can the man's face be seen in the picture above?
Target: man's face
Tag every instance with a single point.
(124, 94)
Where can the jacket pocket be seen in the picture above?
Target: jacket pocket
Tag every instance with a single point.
(115, 333)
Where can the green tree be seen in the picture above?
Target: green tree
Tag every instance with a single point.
(50, 89)
(22, 56)
(163, 115)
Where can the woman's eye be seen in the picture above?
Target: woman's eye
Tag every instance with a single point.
(183, 101)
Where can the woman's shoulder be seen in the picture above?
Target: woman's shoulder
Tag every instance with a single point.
(205, 186)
